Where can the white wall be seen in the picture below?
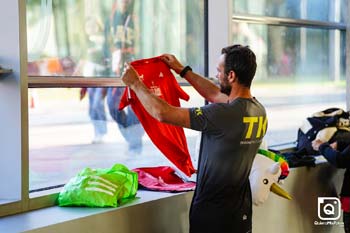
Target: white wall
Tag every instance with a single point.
(10, 105)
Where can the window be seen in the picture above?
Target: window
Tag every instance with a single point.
(301, 68)
(85, 43)
(64, 34)
(328, 10)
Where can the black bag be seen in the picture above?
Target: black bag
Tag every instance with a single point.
(330, 125)
(333, 122)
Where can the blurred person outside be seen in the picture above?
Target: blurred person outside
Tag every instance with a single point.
(95, 66)
(120, 35)
(339, 159)
(232, 128)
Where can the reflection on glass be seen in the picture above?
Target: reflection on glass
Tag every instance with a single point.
(71, 129)
(329, 10)
(60, 139)
(95, 38)
(300, 71)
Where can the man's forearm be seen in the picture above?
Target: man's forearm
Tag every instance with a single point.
(206, 88)
(203, 86)
(153, 105)
(160, 109)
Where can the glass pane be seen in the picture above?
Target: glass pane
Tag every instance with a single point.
(300, 71)
(64, 139)
(96, 37)
(329, 10)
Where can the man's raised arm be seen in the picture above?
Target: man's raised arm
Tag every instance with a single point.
(204, 87)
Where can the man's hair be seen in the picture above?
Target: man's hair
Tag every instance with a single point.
(242, 61)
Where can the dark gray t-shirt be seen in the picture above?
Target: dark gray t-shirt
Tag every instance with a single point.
(231, 135)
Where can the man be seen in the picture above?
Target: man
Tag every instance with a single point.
(233, 127)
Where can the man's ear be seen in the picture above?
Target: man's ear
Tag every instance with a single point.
(231, 77)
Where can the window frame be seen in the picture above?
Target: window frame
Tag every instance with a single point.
(78, 81)
(13, 84)
(288, 22)
(25, 202)
(304, 13)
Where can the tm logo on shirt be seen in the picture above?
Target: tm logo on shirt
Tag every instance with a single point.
(257, 124)
(155, 90)
(198, 112)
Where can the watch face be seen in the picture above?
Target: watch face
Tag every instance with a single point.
(184, 71)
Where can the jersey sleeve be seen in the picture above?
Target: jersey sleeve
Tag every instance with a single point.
(211, 118)
(181, 94)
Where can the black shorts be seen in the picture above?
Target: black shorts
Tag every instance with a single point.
(208, 218)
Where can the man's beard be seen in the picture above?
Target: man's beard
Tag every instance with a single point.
(225, 89)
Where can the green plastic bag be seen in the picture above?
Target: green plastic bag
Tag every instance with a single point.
(100, 187)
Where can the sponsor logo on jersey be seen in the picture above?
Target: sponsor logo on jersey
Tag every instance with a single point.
(256, 129)
(155, 90)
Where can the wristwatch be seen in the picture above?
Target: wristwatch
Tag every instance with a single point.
(184, 71)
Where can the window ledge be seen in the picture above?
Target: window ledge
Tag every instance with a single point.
(291, 146)
(46, 217)
(284, 147)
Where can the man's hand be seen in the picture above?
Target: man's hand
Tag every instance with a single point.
(316, 144)
(334, 145)
(130, 76)
(172, 62)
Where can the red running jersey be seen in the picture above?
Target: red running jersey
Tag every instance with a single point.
(169, 139)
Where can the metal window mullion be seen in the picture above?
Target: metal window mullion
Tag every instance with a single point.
(219, 31)
(24, 104)
(69, 81)
(290, 22)
(76, 82)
